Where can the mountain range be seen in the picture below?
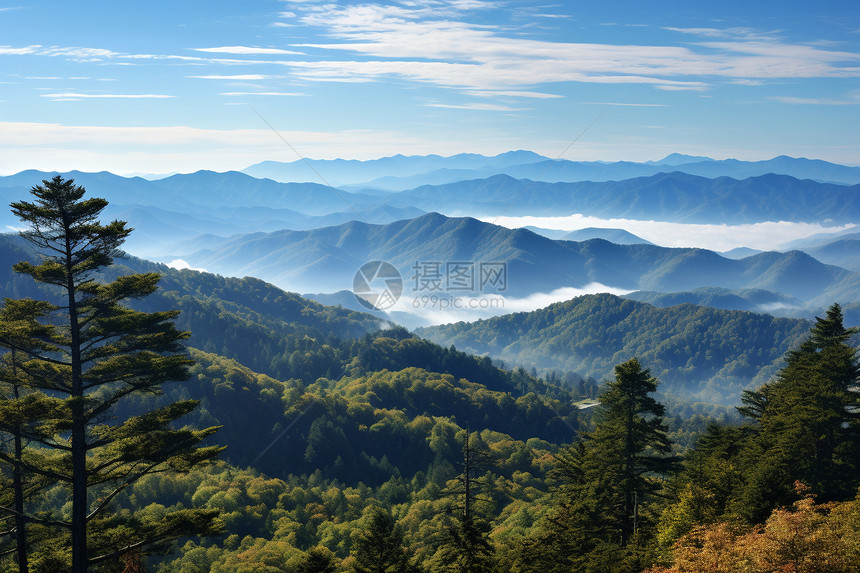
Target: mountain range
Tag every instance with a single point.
(398, 173)
(675, 196)
(171, 211)
(325, 260)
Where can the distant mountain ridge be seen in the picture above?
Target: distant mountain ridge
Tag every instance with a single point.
(398, 173)
(676, 196)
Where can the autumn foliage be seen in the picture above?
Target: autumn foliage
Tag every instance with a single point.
(805, 538)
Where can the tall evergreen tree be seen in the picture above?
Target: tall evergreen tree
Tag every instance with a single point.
(21, 414)
(808, 424)
(628, 448)
(608, 477)
(98, 355)
(467, 547)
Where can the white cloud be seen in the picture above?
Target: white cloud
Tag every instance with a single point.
(262, 94)
(181, 264)
(10, 51)
(428, 311)
(735, 33)
(237, 77)
(246, 50)
(501, 93)
(73, 96)
(622, 104)
(448, 52)
(671, 88)
(851, 99)
(764, 236)
(474, 106)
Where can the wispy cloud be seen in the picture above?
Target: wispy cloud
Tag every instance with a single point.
(73, 95)
(237, 77)
(674, 88)
(764, 236)
(851, 99)
(247, 50)
(624, 104)
(474, 106)
(735, 32)
(502, 93)
(432, 43)
(413, 41)
(10, 51)
(262, 94)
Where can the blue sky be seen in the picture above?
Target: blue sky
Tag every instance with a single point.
(160, 87)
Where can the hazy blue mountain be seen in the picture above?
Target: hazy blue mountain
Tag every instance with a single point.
(236, 189)
(674, 196)
(799, 168)
(409, 172)
(695, 350)
(820, 239)
(184, 192)
(841, 249)
(392, 183)
(740, 253)
(843, 252)
(679, 159)
(168, 213)
(352, 172)
(619, 236)
(554, 234)
(326, 259)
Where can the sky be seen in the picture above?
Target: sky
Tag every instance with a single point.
(162, 87)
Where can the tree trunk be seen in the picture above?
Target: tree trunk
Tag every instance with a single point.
(79, 428)
(18, 491)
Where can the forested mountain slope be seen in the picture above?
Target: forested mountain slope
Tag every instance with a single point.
(693, 350)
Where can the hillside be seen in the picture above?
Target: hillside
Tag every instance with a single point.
(695, 351)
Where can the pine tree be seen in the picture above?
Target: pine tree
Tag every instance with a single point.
(20, 413)
(628, 448)
(467, 547)
(609, 476)
(808, 424)
(97, 355)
